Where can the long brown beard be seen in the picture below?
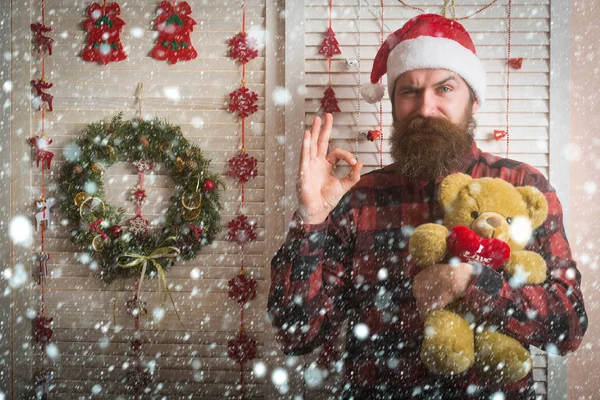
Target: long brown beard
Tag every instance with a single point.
(429, 148)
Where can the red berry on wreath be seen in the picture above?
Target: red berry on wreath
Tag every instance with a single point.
(208, 185)
(116, 231)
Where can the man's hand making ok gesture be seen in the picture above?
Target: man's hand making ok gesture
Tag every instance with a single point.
(319, 190)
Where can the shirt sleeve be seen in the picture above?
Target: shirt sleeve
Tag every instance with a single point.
(551, 315)
(309, 283)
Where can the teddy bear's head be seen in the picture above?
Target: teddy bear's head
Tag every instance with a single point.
(493, 208)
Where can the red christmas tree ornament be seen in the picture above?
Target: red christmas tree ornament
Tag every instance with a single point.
(240, 230)
(242, 48)
(104, 34)
(242, 289)
(41, 331)
(42, 97)
(42, 154)
(174, 26)
(242, 101)
(499, 134)
(242, 348)
(243, 167)
(208, 185)
(329, 103)
(42, 40)
(116, 231)
(515, 63)
(470, 247)
(330, 45)
(138, 225)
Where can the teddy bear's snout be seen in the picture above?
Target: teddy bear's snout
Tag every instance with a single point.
(491, 225)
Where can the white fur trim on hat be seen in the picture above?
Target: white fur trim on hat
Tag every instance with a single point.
(428, 52)
(372, 92)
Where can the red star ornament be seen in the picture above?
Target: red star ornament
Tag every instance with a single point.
(329, 103)
(242, 289)
(240, 230)
(242, 348)
(330, 45)
(243, 167)
(242, 48)
(242, 101)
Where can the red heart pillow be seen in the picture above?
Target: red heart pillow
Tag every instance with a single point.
(470, 247)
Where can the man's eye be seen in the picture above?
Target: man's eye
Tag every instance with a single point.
(445, 89)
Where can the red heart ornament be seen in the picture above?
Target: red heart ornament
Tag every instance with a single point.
(470, 247)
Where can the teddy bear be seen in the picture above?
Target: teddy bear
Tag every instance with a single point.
(487, 221)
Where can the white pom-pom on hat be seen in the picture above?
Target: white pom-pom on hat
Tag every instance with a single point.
(372, 92)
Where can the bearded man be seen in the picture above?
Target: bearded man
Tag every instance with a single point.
(346, 253)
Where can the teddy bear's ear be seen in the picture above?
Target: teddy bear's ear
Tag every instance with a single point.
(537, 205)
(451, 186)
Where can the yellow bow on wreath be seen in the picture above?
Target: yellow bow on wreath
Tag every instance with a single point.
(169, 252)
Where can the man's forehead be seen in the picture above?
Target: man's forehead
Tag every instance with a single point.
(430, 76)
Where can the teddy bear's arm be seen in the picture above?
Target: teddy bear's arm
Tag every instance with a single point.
(427, 244)
(528, 265)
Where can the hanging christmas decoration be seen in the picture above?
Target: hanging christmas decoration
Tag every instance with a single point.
(243, 101)
(42, 332)
(242, 349)
(42, 154)
(104, 34)
(41, 97)
(372, 135)
(329, 102)
(242, 47)
(41, 40)
(174, 26)
(242, 288)
(243, 167)
(241, 230)
(515, 63)
(41, 324)
(329, 47)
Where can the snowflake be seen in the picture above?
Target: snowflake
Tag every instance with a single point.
(142, 165)
(242, 289)
(242, 47)
(138, 225)
(242, 348)
(240, 230)
(241, 101)
(242, 167)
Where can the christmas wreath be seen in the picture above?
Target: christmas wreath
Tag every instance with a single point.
(127, 248)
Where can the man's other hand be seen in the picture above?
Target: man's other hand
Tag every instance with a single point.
(439, 285)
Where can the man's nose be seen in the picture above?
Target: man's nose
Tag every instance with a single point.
(426, 105)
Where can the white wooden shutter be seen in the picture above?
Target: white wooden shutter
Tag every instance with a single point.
(529, 87)
(194, 360)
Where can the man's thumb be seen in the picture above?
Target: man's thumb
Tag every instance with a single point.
(353, 176)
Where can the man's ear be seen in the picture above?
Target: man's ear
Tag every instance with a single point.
(475, 107)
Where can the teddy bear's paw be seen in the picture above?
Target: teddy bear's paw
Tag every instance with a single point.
(448, 343)
(500, 358)
(427, 244)
(526, 267)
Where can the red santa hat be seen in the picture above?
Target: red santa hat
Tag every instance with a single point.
(427, 41)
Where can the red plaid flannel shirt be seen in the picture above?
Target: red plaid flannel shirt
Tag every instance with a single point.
(353, 266)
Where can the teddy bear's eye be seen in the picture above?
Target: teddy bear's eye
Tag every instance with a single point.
(509, 220)
(474, 215)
